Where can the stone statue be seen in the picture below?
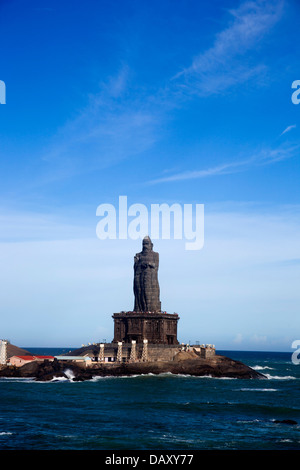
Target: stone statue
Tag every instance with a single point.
(145, 286)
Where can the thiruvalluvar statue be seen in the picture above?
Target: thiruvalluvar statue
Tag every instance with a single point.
(145, 285)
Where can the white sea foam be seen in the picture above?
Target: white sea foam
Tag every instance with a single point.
(18, 379)
(69, 377)
(95, 378)
(278, 377)
(58, 379)
(163, 374)
(259, 389)
(248, 421)
(70, 374)
(225, 378)
(5, 433)
(262, 367)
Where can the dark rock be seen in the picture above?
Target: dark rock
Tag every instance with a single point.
(285, 421)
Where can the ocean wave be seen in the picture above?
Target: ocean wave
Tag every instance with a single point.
(3, 433)
(59, 379)
(70, 374)
(17, 379)
(278, 377)
(262, 367)
(96, 378)
(249, 421)
(259, 389)
(70, 377)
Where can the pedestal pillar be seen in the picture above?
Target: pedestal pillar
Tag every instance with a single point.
(101, 353)
(145, 351)
(133, 351)
(3, 351)
(119, 353)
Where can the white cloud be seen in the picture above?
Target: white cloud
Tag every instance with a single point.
(238, 338)
(265, 156)
(288, 129)
(120, 122)
(259, 339)
(115, 125)
(222, 65)
(223, 169)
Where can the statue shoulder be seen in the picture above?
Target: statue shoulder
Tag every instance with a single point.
(137, 258)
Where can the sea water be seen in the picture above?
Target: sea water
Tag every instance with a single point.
(155, 412)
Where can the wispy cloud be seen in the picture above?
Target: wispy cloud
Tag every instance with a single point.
(265, 156)
(224, 65)
(121, 122)
(238, 338)
(283, 152)
(288, 129)
(115, 124)
(223, 169)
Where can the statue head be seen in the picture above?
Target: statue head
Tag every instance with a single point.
(147, 244)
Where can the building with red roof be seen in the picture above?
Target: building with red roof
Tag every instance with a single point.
(19, 361)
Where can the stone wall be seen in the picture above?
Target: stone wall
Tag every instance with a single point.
(111, 352)
(155, 352)
(205, 351)
(162, 353)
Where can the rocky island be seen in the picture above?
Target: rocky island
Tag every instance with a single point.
(183, 363)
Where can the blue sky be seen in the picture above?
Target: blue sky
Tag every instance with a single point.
(161, 101)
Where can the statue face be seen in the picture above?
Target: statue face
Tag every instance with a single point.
(147, 245)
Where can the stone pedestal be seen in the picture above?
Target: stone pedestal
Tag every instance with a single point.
(157, 328)
(133, 351)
